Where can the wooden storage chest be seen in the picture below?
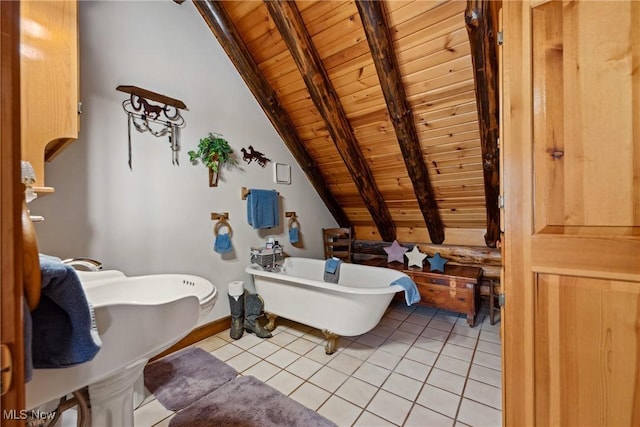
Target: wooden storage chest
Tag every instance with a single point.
(457, 289)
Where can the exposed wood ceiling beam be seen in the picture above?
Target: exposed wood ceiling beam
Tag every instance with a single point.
(373, 19)
(287, 19)
(218, 21)
(481, 27)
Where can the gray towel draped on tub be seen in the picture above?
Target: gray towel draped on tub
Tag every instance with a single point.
(332, 270)
(63, 329)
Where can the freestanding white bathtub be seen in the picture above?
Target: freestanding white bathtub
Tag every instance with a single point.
(352, 307)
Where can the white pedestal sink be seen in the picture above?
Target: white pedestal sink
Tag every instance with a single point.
(137, 318)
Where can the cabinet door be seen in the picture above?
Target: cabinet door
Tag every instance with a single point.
(49, 79)
(572, 213)
(11, 196)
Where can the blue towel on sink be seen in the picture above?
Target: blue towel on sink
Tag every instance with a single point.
(64, 331)
(411, 293)
(263, 210)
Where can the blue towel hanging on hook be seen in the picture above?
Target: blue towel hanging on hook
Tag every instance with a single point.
(293, 235)
(222, 244)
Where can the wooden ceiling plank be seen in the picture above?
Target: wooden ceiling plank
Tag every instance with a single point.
(454, 179)
(436, 66)
(399, 12)
(450, 121)
(322, 15)
(437, 168)
(241, 10)
(437, 21)
(471, 200)
(361, 77)
(249, 19)
(444, 149)
(458, 136)
(450, 42)
(291, 26)
(220, 24)
(265, 46)
(356, 69)
(380, 115)
(447, 130)
(443, 167)
(279, 67)
(434, 100)
(343, 56)
(445, 83)
(464, 101)
(438, 120)
(373, 19)
(458, 179)
(340, 36)
(482, 36)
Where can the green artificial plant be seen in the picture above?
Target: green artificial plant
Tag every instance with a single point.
(213, 150)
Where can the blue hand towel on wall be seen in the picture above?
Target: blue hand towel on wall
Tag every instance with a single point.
(293, 235)
(262, 208)
(222, 244)
(332, 270)
(64, 331)
(411, 294)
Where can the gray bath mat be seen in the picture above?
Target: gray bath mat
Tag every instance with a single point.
(248, 402)
(181, 378)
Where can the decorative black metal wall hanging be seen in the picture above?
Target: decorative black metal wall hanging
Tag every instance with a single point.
(158, 119)
(249, 155)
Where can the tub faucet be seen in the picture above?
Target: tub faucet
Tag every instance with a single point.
(83, 264)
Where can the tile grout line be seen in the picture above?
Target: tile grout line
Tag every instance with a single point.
(466, 378)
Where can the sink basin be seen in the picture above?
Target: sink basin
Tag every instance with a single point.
(148, 289)
(137, 318)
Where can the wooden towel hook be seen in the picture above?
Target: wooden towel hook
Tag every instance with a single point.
(292, 219)
(222, 221)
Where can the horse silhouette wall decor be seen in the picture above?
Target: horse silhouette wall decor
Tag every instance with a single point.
(249, 154)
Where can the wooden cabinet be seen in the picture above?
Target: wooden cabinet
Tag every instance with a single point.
(49, 81)
(456, 290)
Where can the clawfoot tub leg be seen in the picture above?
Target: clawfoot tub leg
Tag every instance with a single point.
(272, 321)
(332, 341)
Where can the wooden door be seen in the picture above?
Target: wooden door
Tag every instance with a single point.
(571, 117)
(11, 196)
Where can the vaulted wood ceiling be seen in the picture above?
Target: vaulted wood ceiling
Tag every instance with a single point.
(377, 102)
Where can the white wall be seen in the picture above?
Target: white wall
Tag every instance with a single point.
(156, 218)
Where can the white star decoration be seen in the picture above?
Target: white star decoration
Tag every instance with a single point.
(415, 257)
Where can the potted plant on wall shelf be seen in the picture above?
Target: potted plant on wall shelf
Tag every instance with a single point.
(213, 151)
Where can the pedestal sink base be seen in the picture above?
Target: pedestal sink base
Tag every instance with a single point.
(112, 398)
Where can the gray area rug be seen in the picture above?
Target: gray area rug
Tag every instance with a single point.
(183, 377)
(248, 402)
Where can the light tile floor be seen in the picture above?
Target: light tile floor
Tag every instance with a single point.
(418, 367)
